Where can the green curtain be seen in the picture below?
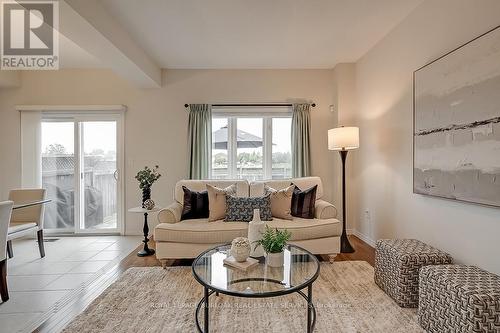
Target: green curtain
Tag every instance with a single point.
(301, 127)
(199, 140)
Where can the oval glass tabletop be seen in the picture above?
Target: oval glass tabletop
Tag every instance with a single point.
(300, 269)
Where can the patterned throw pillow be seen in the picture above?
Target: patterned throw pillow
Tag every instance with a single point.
(241, 209)
(303, 202)
(281, 201)
(195, 204)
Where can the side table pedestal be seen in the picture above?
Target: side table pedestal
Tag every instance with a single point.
(146, 251)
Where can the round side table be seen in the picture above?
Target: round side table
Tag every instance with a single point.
(146, 251)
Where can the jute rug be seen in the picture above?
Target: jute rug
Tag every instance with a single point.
(156, 300)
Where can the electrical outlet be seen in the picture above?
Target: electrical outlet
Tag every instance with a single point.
(369, 223)
(368, 218)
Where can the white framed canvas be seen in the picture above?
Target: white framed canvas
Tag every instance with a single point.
(456, 111)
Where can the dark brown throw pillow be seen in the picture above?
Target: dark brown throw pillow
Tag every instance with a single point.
(195, 204)
(303, 202)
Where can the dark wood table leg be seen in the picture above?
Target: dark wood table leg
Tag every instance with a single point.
(4, 292)
(309, 308)
(206, 319)
(10, 251)
(146, 251)
(41, 247)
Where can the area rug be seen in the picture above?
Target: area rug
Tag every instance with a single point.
(157, 300)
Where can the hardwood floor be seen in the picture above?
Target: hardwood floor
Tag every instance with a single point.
(64, 315)
(363, 252)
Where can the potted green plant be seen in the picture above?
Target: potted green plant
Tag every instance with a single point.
(146, 178)
(273, 242)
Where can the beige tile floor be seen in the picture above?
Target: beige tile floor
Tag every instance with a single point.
(38, 286)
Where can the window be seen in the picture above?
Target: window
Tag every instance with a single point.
(251, 145)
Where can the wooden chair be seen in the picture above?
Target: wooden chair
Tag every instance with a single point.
(5, 213)
(26, 220)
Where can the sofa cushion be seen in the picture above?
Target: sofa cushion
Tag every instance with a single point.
(241, 209)
(281, 201)
(200, 231)
(217, 201)
(303, 202)
(257, 187)
(195, 204)
(201, 185)
(303, 229)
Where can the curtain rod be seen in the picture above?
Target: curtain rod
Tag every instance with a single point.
(253, 104)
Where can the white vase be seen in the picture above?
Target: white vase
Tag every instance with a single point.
(256, 228)
(275, 259)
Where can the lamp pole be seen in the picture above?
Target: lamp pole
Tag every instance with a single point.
(343, 139)
(345, 246)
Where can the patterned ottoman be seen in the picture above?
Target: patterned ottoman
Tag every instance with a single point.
(397, 262)
(458, 298)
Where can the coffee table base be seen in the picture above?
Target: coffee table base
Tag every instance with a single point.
(311, 310)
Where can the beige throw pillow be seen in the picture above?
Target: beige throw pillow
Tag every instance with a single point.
(281, 201)
(217, 201)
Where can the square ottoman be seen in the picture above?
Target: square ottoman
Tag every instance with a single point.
(397, 263)
(459, 298)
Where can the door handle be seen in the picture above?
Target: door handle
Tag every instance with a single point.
(115, 175)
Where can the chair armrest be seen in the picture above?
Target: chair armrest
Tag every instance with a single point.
(324, 210)
(170, 214)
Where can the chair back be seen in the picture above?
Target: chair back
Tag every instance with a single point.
(28, 214)
(5, 213)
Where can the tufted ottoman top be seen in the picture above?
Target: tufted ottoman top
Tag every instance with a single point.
(469, 280)
(410, 247)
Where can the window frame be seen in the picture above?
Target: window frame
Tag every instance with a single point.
(232, 114)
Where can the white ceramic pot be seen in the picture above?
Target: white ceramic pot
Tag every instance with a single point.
(256, 228)
(240, 249)
(275, 259)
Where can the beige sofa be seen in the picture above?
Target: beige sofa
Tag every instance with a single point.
(177, 239)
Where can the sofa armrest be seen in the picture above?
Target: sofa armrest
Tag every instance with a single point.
(170, 214)
(324, 210)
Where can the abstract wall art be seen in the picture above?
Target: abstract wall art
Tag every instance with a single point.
(456, 139)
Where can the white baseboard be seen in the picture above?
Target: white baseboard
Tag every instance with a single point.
(361, 236)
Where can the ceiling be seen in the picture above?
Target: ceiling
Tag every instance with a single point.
(255, 33)
(73, 56)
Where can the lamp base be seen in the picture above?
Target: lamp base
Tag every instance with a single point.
(345, 245)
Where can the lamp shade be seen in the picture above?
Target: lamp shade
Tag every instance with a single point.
(343, 138)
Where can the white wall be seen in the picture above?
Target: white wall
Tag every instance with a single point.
(344, 107)
(383, 164)
(156, 120)
(10, 79)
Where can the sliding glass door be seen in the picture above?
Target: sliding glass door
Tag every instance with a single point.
(99, 180)
(58, 173)
(81, 162)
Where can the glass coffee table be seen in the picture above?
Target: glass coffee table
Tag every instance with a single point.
(300, 270)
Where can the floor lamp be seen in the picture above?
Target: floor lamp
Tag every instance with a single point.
(343, 139)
